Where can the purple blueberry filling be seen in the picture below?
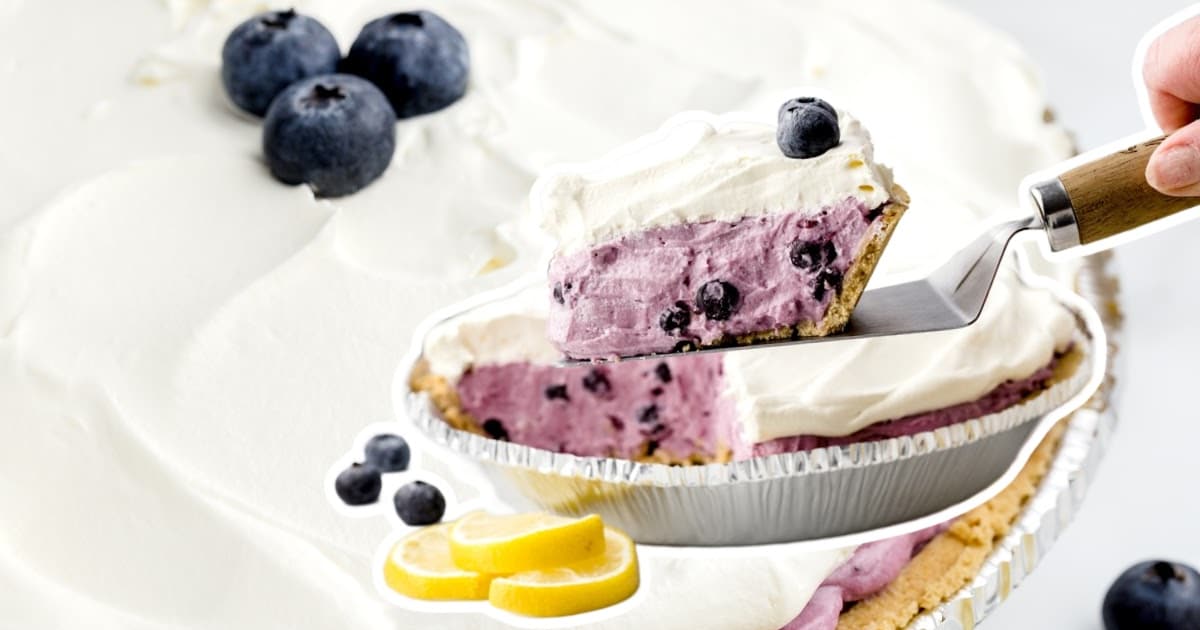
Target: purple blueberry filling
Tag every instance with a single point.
(618, 410)
(624, 410)
(693, 284)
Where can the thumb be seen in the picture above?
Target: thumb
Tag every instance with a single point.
(1174, 169)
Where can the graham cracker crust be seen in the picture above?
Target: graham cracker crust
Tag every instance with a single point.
(953, 558)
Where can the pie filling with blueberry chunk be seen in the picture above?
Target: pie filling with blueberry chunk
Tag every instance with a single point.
(716, 230)
(492, 371)
(651, 257)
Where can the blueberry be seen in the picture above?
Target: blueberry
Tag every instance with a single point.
(557, 392)
(827, 280)
(387, 453)
(558, 293)
(596, 382)
(806, 101)
(812, 255)
(358, 485)
(677, 317)
(648, 414)
(334, 132)
(807, 128)
(495, 429)
(1155, 595)
(717, 299)
(419, 503)
(271, 51)
(656, 392)
(830, 252)
(418, 59)
(651, 447)
(663, 372)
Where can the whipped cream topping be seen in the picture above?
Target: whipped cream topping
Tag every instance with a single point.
(186, 344)
(505, 331)
(702, 167)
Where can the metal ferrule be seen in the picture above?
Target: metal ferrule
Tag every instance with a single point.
(1058, 216)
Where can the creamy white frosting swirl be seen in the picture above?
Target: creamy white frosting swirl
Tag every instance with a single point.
(703, 167)
(186, 345)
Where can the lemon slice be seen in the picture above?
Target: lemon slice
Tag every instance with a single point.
(585, 585)
(509, 543)
(420, 566)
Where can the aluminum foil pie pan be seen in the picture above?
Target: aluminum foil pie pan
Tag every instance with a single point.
(826, 494)
(1061, 492)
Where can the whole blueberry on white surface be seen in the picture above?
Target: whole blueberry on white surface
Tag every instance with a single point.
(1154, 595)
(334, 132)
(419, 503)
(808, 127)
(358, 485)
(418, 59)
(271, 51)
(388, 453)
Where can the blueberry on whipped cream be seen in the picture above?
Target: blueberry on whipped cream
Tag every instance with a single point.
(418, 59)
(334, 132)
(1154, 595)
(808, 127)
(269, 52)
(419, 503)
(388, 453)
(358, 485)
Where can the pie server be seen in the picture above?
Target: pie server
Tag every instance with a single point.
(1086, 205)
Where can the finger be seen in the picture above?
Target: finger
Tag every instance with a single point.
(1171, 70)
(1174, 169)
(1171, 112)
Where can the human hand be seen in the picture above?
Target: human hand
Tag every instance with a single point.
(1172, 74)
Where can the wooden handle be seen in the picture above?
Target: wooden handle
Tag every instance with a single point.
(1110, 195)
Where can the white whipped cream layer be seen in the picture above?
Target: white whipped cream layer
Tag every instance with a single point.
(186, 345)
(702, 167)
(511, 330)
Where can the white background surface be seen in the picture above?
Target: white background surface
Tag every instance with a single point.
(1144, 502)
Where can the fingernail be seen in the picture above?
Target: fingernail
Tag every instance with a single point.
(1175, 168)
